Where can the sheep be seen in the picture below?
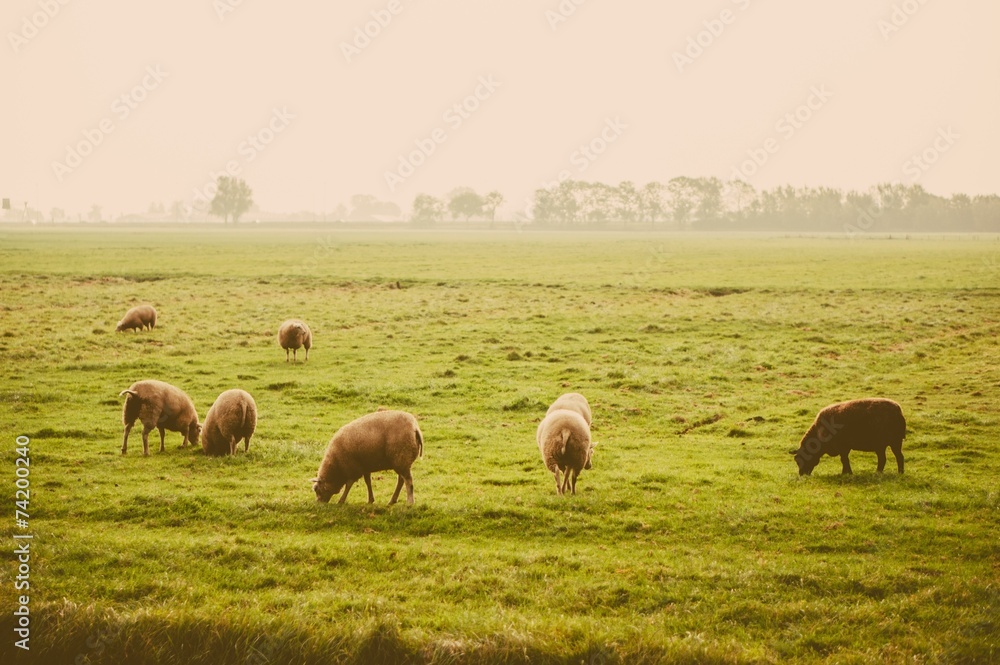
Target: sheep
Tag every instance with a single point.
(294, 334)
(232, 417)
(162, 406)
(376, 442)
(564, 440)
(870, 425)
(138, 318)
(572, 402)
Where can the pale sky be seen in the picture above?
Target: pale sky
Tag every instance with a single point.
(199, 78)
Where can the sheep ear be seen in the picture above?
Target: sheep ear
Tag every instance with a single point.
(793, 451)
(314, 480)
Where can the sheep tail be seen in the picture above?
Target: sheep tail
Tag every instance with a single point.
(133, 404)
(420, 441)
(565, 439)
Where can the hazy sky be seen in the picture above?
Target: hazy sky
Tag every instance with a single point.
(125, 102)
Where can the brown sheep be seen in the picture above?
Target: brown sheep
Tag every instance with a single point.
(377, 442)
(870, 425)
(564, 440)
(162, 406)
(138, 318)
(572, 402)
(232, 417)
(293, 335)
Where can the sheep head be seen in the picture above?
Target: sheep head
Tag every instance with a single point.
(324, 490)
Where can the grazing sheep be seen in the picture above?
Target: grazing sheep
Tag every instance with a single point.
(162, 406)
(232, 417)
(138, 318)
(564, 440)
(572, 402)
(293, 335)
(377, 442)
(870, 425)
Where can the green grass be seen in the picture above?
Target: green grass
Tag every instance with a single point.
(692, 539)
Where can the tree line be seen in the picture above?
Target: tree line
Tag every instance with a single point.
(711, 204)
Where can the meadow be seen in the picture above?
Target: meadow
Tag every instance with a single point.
(692, 539)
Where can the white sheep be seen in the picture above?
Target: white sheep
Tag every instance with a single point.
(377, 442)
(295, 334)
(564, 440)
(161, 406)
(232, 417)
(138, 318)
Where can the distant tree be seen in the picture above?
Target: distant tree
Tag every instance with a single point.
(709, 208)
(57, 215)
(427, 210)
(651, 205)
(739, 200)
(339, 213)
(491, 202)
(466, 204)
(367, 208)
(233, 198)
(627, 202)
(96, 214)
(156, 208)
(683, 199)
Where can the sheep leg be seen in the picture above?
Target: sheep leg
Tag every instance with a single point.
(846, 463)
(559, 490)
(295, 358)
(286, 355)
(576, 473)
(399, 487)
(368, 482)
(881, 460)
(145, 440)
(246, 443)
(128, 428)
(163, 447)
(347, 488)
(409, 490)
(897, 451)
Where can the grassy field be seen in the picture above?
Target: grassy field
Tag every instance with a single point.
(692, 539)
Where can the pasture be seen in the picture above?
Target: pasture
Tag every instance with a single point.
(705, 359)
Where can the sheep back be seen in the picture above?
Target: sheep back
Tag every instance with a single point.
(233, 416)
(573, 402)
